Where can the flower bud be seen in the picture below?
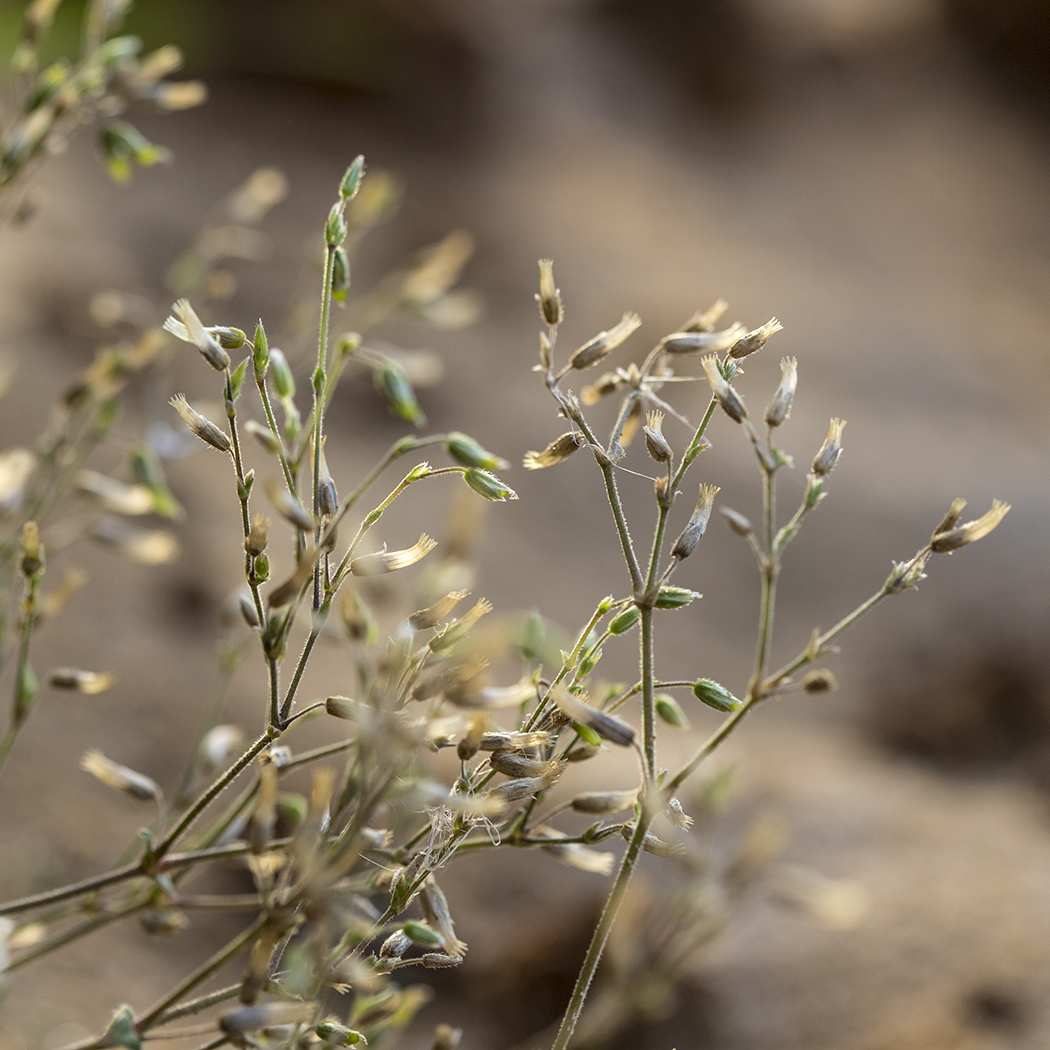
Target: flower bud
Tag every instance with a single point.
(260, 352)
(670, 712)
(352, 179)
(392, 382)
(340, 274)
(335, 227)
(32, 550)
(283, 381)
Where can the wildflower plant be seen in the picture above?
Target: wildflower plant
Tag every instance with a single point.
(345, 898)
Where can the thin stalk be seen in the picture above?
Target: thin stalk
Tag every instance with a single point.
(20, 705)
(318, 414)
(74, 889)
(647, 659)
(202, 1002)
(601, 933)
(216, 788)
(201, 974)
(271, 422)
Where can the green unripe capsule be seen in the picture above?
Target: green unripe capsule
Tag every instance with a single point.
(623, 622)
(467, 451)
(352, 179)
(717, 696)
(674, 597)
(669, 711)
(488, 485)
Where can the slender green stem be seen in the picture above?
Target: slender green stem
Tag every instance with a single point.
(318, 386)
(202, 1002)
(22, 698)
(271, 422)
(201, 974)
(648, 657)
(300, 667)
(601, 933)
(216, 788)
(713, 742)
(74, 889)
(76, 932)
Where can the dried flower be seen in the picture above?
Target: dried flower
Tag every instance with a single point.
(697, 525)
(549, 296)
(946, 541)
(390, 561)
(204, 428)
(607, 726)
(78, 681)
(559, 449)
(604, 342)
(752, 341)
(187, 326)
(825, 460)
(655, 443)
(120, 778)
(780, 407)
(726, 396)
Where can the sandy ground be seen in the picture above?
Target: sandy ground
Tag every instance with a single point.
(890, 210)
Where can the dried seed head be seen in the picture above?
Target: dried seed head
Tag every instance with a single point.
(391, 561)
(549, 296)
(603, 803)
(488, 485)
(605, 342)
(951, 519)
(601, 387)
(81, 681)
(436, 911)
(32, 550)
(559, 449)
(574, 854)
(951, 540)
(819, 681)
(755, 340)
(258, 535)
(264, 814)
(677, 816)
(120, 778)
(504, 741)
(607, 726)
(655, 443)
(455, 632)
(907, 574)
(520, 788)
(440, 961)
(327, 494)
(726, 396)
(434, 614)
(780, 407)
(697, 525)
(825, 460)
(289, 507)
(705, 320)
(266, 1015)
(691, 342)
(395, 945)
(737, 522)
(518, 765)
(204, 428)
(652, 844)
(186, 325)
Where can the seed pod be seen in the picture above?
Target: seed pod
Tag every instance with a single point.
(714, 695)
(505, 741)
(78, 681)
(737, 522)
(352, 179)
(488, 485)
(420, 933)
(436, 910)
(653, 844)
(549, 296)
(390, 561)
(186, 325)
(395, 945)
(392, 382)
(335, 1034)
(467, 451)
(258, 535)
(724, 394)
(559, 449)
(825, 460)
(604, 342)
(603, 803)
(670, 597)
(283, 380)
(340, 274)
(518, 765)
(623, 622)
(691, 342)
(120, 778)
(697, 525)
(952, 539)
(607, 726)
(752, 341)
(204, 428)
(289, 507)
(655, 443)
(266, 1015)
(335, 226)
(780, 407)
(669, 711)
(434, 614)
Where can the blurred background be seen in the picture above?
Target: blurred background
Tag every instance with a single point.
(873, 172)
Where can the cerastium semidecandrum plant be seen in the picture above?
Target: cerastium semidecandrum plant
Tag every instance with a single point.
(344, 881)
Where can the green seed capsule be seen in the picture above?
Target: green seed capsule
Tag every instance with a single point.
(714, 695)
(488, 485)
(674, 597)
(467, 451)
(669, 711)
(623, 622)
